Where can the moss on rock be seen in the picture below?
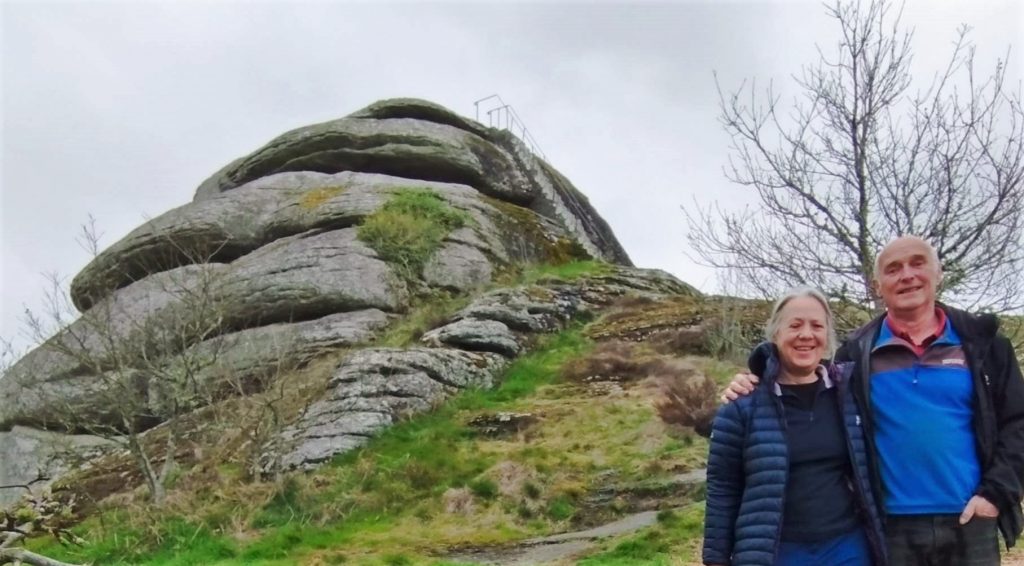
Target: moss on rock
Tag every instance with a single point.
(313, 198)
(408, 229)
(535, 241)
(685, 324)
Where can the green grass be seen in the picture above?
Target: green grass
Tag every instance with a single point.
(663, 544)
(569, 271)
(427, 312)
(399, 474)
(408, 229)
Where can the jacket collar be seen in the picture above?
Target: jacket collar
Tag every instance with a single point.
(969, 327)
(764, 363)
(825, 382)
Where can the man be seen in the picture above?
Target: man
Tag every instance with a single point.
(943, 400)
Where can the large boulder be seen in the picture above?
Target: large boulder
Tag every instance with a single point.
(374, 389)
(32, 459)
(418, 139)
(403, 147)
(267, 268)
(245, 219)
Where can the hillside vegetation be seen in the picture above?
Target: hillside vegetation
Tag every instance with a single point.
(582, 450)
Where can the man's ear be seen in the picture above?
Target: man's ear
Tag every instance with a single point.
(876, 287)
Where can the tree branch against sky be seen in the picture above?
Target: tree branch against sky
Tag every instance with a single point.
(865, 153)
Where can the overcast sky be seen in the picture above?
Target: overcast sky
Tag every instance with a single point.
(121, 109)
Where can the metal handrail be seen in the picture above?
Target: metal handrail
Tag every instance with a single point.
(505, 112)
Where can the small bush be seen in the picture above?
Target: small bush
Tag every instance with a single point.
(666, 516)
(689, 401)
(409, 228)
(286, 506)
(560, 508)
(397, 560)
(614, 361)
(624, 361)
(530, 490)
(484, 488)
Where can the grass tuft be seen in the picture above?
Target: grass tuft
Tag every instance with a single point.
(408, 229)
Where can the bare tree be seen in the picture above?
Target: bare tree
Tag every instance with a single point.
(860, 158)
(130, 365)
(137, 364)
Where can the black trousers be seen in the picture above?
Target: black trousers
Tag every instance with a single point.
(940, 540)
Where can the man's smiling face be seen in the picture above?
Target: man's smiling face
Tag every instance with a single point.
(908, 275)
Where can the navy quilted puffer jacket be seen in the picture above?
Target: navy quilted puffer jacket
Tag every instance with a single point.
(748, 466)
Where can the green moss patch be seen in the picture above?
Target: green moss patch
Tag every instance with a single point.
(313, 198)
(408, 229)
(541, 246)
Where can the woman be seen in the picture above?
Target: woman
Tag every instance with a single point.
(787, 470)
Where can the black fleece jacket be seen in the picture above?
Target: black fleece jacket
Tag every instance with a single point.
(998, 408)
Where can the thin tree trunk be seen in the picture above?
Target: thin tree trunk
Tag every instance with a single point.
(20, 555)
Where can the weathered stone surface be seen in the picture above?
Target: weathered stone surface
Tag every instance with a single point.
(459, 267)
(248, 358)
(242, 220)
(62, 369)
(558, 199)
(475, 335)
(54, 388)
(419, 139)
(402, 147)
(373, 389)
(621, 281)
(311, 275)
(527, 309)
(419, 110)
(269, 244)
(30, 454)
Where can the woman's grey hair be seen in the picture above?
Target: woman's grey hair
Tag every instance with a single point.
(775, 320)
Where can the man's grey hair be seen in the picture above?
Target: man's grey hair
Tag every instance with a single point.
(933, 253)
(775, 320)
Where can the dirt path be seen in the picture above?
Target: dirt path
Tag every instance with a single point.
(557, 547)
(563, 547)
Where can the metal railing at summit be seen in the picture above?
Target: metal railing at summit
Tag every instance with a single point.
(502, 116)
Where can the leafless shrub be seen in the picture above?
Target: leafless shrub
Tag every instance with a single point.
(689, 401)
(136, 366)
(612, 361)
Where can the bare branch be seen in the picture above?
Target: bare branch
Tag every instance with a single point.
(858, 158)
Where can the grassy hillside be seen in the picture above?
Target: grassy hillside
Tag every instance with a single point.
(431, 485)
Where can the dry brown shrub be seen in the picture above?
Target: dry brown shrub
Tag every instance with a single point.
(626, 307)
(684, 340)
(689, 401)
(510, 478)
(611, 361)
(458, 501)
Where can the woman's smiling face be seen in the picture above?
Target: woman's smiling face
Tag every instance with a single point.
(802, 335)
